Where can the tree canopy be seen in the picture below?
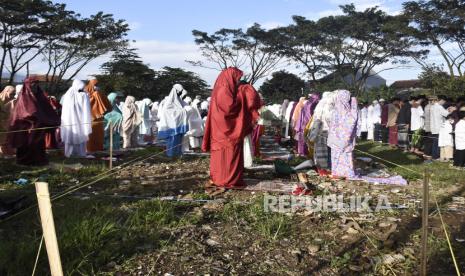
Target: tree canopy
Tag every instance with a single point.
(282, 85)
(63, 39)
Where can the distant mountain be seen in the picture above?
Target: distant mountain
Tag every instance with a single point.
(17, 78)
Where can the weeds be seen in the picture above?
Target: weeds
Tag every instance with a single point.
(270, 225)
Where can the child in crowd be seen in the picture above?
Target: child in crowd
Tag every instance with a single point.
(459, 156)
(446, 140)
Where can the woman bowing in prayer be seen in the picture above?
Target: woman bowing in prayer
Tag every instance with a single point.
(7, 103)
(76, 120)
(131, 121)
(342, 134)
(224, 133)
(113, 120)
(173, 122)
(32, 110)
(99, 105)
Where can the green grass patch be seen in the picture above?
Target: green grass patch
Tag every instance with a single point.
(270, 225)
(91, 234)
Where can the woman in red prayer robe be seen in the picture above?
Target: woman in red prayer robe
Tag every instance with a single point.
(228, 121)
(32, 110)
(52, 139)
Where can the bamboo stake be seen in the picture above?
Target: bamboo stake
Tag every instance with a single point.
(111, 146)
(48, 228)
(424, 224)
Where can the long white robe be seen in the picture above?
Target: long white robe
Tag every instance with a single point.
(76, 120)
(363, 117)
(193, 137)
(248, 151)
(371, 122)
(287, 119)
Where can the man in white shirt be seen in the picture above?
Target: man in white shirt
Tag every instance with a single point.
(438, 115)
(416, 125)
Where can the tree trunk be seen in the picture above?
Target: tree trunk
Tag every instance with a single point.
(2, 64)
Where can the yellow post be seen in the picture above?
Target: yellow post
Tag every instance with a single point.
(48, 228)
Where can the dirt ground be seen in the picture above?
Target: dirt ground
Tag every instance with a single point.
(233, 234)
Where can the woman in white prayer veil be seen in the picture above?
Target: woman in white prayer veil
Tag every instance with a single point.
(76, 119)
(131, 120)
(193, 138)
(173, 121)
(154, 114)
(145, 130)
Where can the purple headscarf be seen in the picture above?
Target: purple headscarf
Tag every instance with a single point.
(307, 112)
(343, 125)
(305, 115)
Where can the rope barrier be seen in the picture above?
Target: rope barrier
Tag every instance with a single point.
(149, 156)
(95, 179)
(437, 205)
(447, 238)
(51, 127)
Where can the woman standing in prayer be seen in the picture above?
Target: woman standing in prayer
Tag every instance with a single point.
(287, 118)
(251, 98)
(193, 137)
(296, 114)
(53, 139)
(342, 134)
(319, 132)
(145, 131)
(173, 121)
(304, 118)
(99, 105)
(7, 103)
(76, 120)
(225, 131)
(113, 120)
(32, 110)
(131, 121)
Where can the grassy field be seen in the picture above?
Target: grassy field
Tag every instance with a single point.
(100, 234)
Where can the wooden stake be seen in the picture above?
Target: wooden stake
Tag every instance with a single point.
(111, 146)
(424, 223)
(48, 228)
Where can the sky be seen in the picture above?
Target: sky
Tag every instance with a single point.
(162, 29)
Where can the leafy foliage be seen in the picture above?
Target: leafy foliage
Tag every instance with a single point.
(126, 73)
(282, 85)
(234, 47)
(168, 76)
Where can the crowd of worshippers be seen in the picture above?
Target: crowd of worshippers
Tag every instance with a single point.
(433, 127)
(82, 121)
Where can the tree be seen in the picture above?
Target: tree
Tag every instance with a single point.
(440, 24)
(126, 73)
(301, 43)
(356, 42)
(169, 76)
(23, 25)
(86, 39)
(439, 82)
(282, 85)
(234, 47)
